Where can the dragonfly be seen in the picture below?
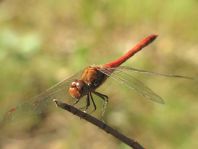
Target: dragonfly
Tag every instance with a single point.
(86, 82)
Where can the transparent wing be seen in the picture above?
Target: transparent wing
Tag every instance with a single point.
(127, 69)
(38, 104)
(132, 83)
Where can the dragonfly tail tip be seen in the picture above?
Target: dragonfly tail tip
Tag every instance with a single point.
(154, 36)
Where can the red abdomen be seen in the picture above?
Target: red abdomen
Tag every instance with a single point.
(143, 43)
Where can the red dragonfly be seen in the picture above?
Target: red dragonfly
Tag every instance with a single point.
(87, 81)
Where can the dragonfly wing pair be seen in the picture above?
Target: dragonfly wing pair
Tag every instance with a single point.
(123, 76)
(39, 103)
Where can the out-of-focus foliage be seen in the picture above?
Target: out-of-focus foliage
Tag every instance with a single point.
(42, 42)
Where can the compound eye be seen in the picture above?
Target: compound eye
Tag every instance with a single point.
(79, 85)
(73, 84)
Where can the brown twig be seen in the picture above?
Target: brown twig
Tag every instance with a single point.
(99, 123)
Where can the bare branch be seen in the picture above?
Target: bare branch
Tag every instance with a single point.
(99, 123)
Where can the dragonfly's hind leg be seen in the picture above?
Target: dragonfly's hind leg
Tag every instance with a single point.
(104, 97)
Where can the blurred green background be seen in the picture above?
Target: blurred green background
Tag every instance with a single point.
(43, 42)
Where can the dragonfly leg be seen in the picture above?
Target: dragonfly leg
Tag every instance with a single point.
(88, 102)
(93, 102)
(76, 101)
(104, 97)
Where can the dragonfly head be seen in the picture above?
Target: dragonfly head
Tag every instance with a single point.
(77, 89)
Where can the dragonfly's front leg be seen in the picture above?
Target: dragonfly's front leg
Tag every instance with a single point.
(88, 102)
(93, 101)
(77, 100)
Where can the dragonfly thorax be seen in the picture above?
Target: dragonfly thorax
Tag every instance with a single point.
(90, 80)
